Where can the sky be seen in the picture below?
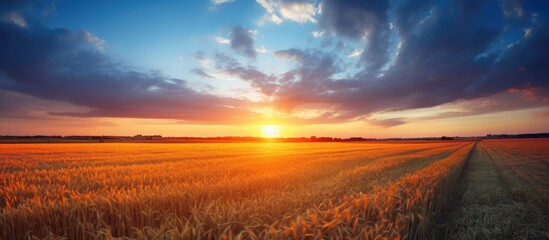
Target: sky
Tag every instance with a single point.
(340, 68)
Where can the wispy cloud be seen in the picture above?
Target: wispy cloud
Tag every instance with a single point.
(357, 52)
(221, 40)
(386, 123)
(15, 18)
(296, 11)
(317, 34)
(218, 2)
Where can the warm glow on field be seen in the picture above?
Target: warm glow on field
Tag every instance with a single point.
(252, 190)
(270, 131)
(219, 190)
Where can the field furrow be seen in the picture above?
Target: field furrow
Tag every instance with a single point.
(499, 197)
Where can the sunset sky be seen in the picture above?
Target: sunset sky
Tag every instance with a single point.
(228, 67)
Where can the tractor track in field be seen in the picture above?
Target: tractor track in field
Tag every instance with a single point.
(482, 206)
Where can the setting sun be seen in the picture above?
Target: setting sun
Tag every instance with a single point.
(274, 119)
(270, 131)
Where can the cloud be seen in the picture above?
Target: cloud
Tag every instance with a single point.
(360, 20)
(223, 41)
(262, 49)
(16, 105)
(512, 8)
(242, 41)
(446, 54)
(15, 19)
(480, 56)
(200, 55)
(386, 123)
(66, 66)
(201, 73)
(275, 19)
(218, 2)
(511, 100)
(94, 40)
(354, 19)
(266, 84)
(357, 52)
(300, 11)
(269, 17)
(310, 82)
(317, 34)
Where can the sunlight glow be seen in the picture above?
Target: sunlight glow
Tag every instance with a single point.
(270, 131)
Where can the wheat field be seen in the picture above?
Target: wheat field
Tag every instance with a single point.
(390, 190)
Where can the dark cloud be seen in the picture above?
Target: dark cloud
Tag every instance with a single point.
(64, 65)
(511, 100)
(353, 19)
(449, 51)
(266, 83)
(359, 20)
(21, 106)
(387, 123)
(439, 60)
(242, 41)
(310, 82)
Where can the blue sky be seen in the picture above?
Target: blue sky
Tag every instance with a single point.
(149, 35)
(383, 65)
(157, 35)
(165, 37)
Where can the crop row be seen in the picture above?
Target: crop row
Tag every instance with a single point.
(195, 191)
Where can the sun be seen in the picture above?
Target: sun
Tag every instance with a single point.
(270, 131)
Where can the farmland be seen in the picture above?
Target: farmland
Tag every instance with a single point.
(356, 190)
(504, 192)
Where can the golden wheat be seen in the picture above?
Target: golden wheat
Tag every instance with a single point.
(229, 190)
